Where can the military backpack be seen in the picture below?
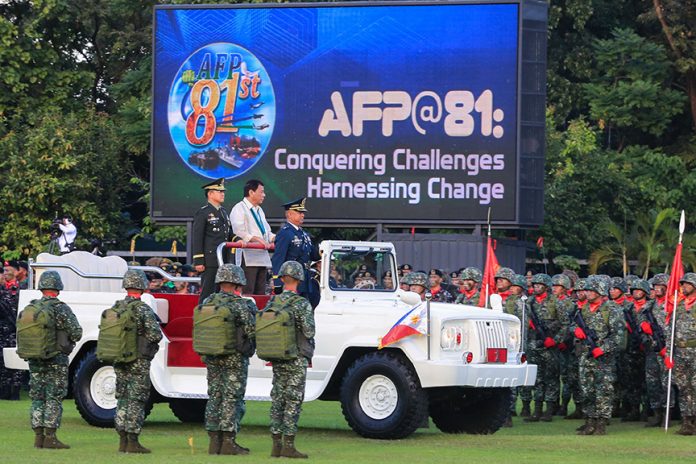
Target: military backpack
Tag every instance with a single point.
(118, 336)
(36, 331)
(214, 331)
(276, 336)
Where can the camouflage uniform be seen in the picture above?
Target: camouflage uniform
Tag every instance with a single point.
(555, 318)
(684, 357)
(133, 378)
(568, 361)
(471, 298)
(598, 374)
(227, 374)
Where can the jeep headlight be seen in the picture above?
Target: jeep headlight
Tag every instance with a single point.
(453, 338)
(513, 336)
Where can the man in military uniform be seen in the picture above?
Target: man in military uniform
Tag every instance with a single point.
(548, 322)
(503, 282)
(292, 243)
(598, 345)
(227, 374)
(211, 226)
(560, 288)
(418, 283)
(514, 305)
(133, 378)
(631, 360)
(683, 358)
(10, 379)
(48, 383)
(469, 281)
(439, 293)
(571, 381)
(289, 377)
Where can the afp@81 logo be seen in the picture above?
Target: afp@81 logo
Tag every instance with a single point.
(221, 110)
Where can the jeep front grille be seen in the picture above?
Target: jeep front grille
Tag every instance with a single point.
(491, 335)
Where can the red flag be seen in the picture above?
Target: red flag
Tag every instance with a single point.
(540, 243)
(489, 272)
(676, 274)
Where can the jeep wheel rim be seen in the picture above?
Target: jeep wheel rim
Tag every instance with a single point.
(378, 397)
(102, 387)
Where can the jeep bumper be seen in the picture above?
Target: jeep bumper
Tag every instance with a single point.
(446, 374)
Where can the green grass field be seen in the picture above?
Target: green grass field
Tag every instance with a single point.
(325, 436)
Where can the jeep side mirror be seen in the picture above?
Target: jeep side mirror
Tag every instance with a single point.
(410, 298)
(496, 302)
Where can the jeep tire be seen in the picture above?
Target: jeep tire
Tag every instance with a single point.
(188, 410)
(470, 410)
(381, 396)
(94, 390)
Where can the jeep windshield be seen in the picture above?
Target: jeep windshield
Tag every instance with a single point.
(362, 269)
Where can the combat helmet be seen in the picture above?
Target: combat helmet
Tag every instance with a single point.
(640, 284)
(519, 281)
(630, 278)
(597, 284)
(471, 273)
(620, 283)
(562, 280)
(541, 278)
(689, 278)
(292, 269)
(50, 280)
(230, 273)
(135, 278)
(661, 279)
(419, 278)
(505, 273)
(580, 284)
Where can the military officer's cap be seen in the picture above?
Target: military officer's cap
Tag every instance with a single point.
(405, 267)
(217, 184)
(296, 205)
(436, 272)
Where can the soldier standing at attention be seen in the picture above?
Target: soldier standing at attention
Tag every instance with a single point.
(211, 226)
(289, 377)
(418, 283)
(684, 357)
(547, 324)
(631, 360)
(227, 373)
(48, 382)
(292, 243)
(133, 378)
(440, 294)
(598, 346)
(560, 286)
(571, 385)
(469, 281)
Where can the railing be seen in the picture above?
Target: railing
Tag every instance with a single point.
(240, 244)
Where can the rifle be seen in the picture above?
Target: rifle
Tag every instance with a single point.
(631, 324)
(591, 335)
(542, 331)
(658, 334)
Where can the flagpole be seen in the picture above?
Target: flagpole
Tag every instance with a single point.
(488, 240)
(682, 226)
(428, 297)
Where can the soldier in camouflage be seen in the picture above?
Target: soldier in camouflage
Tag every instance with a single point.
(289, 377)
(631, 360)
(469, 281)
(503, 281)
(133, 378)
(647, 316)
(227, 374)
(597, 346)
(561, 285)
(437, 290)
(571, 383)
(514, 305)
(418, 283)
(542, 345)
(48, 378)
(683, 359)
(10, 379)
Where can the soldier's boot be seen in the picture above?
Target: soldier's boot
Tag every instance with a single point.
(632, 414)
(122, 441)
(38, 437)
(230, 445)
(657, 419)
(548, 414)
(563, 410)
(51, 441)
(687, 427)
(134, 445)
(288, 450)
(526, 412)
(538, 405)
(584, 425)
(215, 442)
(600, 427)
(277, 445)
(589, 428)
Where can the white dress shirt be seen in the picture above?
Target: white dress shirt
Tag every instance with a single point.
(244, 226)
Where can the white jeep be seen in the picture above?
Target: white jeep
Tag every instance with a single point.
(460, 375)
